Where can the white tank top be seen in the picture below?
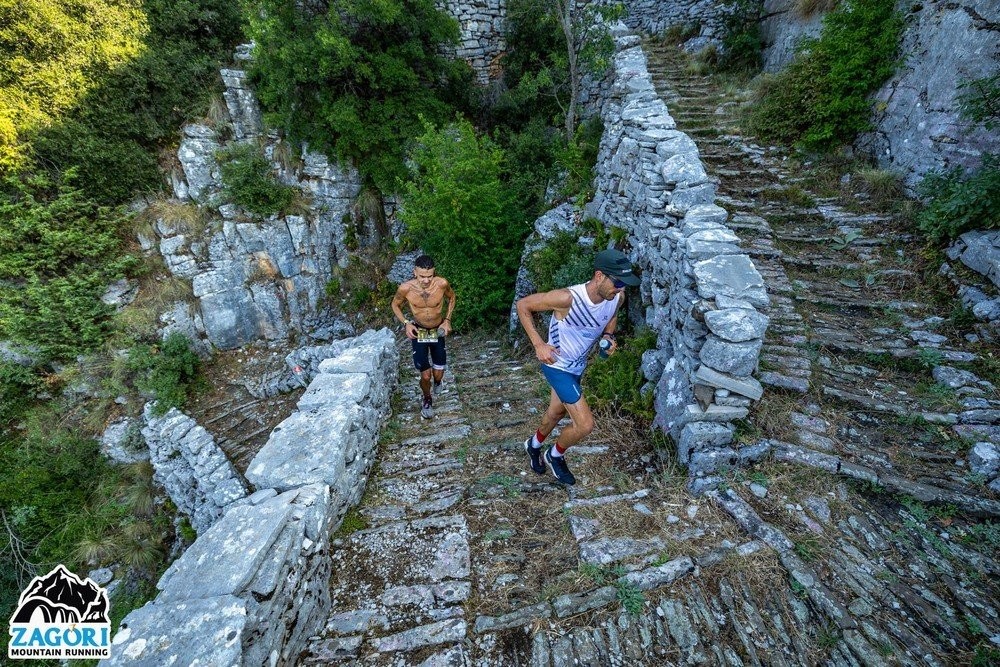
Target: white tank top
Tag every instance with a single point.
(576, 333)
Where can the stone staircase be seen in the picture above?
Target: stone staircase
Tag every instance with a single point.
(460, 555)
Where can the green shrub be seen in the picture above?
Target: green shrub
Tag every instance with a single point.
(123, 114)
(58, 252)
(18, 385)
(579, 158)
(169, 372)
(742, 44)
(617, 379)
(249, 182)
(821, 100)
(979, 101)
(353, 78)
(960, 200)
(560, 263)
(461, 213)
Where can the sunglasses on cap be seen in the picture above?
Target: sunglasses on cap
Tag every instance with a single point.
(617, 283)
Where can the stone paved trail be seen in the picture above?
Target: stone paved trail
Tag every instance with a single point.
(468, 558)
(871, 379)
(863, 542)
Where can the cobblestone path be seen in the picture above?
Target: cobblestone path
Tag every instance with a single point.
(864, 542)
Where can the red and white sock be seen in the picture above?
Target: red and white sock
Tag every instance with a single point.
(557, 451)
(537, 439)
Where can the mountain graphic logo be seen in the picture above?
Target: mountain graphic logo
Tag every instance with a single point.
(60, 615)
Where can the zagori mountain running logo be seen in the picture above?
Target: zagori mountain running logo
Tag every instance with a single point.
(60, 616)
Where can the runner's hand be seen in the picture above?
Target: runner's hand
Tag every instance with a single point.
(446, 325)
(546, 353)
(614, 345)
(410, 329)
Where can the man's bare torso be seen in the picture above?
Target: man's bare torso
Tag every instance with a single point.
(426, 304)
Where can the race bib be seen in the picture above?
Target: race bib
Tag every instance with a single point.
(427, 335)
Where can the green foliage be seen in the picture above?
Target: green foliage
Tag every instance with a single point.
(618, 379)
(249, 182)
(58, 252)
(353, 521)
(18, 385)
(169, 372)
(979, 101)
(561, 262)
(742, 44)
(461, 213)
(536, 80)
(354, 78)
(579, 158)
(47, 477)
(123, 112)
(986, 656)
(821, 100)
(531, 164)
(960, 200)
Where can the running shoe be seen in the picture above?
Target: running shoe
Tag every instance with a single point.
(426, 411)
(535, 453)
(557, 464)
(438, 388)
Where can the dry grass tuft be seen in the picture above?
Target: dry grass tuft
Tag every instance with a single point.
(807, 8)
(180, 217)
(217, 113)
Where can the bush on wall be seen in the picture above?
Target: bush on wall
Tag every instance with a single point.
(821, 100)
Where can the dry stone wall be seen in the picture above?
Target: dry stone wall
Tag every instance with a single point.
(652, 17)
(254, 586)
(191, 467)
(704, 295)
(481, 42)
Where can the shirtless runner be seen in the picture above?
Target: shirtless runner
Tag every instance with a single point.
(425, 296)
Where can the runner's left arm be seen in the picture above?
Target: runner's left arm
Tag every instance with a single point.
(612, 326)
(449, 294)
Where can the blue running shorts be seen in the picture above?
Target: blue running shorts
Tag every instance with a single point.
(566, 385)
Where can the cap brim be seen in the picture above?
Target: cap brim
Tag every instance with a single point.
(631, 279)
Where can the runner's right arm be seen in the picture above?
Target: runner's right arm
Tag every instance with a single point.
(558, 301)
(409, 328)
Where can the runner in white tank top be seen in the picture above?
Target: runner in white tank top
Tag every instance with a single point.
(581, 316)
(575, 334)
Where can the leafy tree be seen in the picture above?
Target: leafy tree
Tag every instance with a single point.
(101, 85)
(352, 78)
(589, 45)
(458, 209)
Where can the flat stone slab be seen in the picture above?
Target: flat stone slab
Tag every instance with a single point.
(307, 447)
(443, 435)
(226, 558)
(451, 630)
(608, 550)
(334, 388)
(578, 603)
(160, 634)
(661, 575)
(514, 619)
(408, 553)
